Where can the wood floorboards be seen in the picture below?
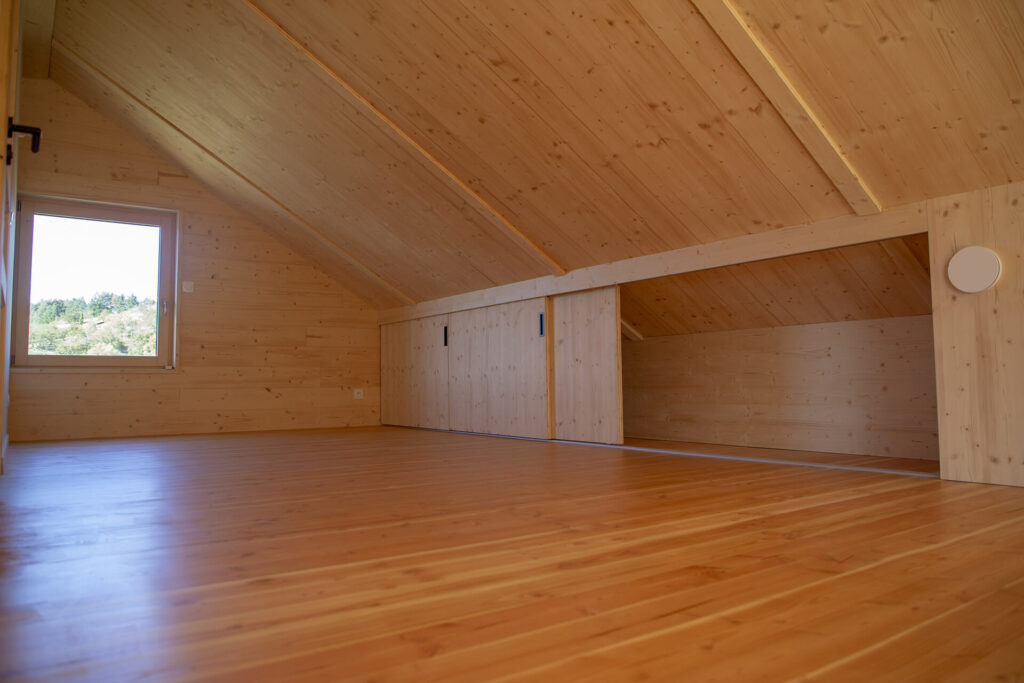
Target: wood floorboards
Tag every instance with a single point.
(918, 465)
(400, 555)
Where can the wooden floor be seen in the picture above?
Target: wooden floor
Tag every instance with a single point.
(395, 555)
(841, 460)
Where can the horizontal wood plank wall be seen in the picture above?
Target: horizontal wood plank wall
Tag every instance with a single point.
(498, 370)
(863, 387)
(588, 373)
(266, 341)
(414, 373)
(979, 338)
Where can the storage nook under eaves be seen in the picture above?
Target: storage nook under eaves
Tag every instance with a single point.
(829, 351)
(825, 352)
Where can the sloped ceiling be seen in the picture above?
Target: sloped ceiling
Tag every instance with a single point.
(925, 96)
(877, 280)
(426, 149)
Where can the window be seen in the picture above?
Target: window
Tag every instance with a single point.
(95, 285)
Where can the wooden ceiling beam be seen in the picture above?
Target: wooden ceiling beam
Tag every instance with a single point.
(36, 37)
(182, 139)
(901, 221)
(630, 332)
(753, 54)
(461, 187)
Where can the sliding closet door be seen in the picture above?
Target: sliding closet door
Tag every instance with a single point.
(414, 373)
(498, 375)
(588, 366)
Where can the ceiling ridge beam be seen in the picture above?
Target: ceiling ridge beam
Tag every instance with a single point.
(831, 233)
(512, 231)
(340, 251)
(754, 56)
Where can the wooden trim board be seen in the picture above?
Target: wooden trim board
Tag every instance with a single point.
(751, 52)
(843, 231)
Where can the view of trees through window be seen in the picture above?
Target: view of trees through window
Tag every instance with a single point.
(107, 325)
(93, 288)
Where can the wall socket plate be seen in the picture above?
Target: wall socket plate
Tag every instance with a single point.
(357, 393)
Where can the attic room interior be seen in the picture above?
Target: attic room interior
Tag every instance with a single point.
(479, 341)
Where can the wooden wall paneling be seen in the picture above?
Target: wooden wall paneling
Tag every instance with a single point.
(468, 373)
(430, 372)
(329, 161)
(860, 387)
(414, 373)
(923, 98)
(522, 402)
(979, 339)
(588, 371)
(498, 370)
(267, 340)
(396, 397)
(797, 239)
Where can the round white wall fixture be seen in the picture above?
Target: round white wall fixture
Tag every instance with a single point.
(974, 269)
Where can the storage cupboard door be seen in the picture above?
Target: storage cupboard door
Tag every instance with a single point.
(498, 369)
(588, 366)
(414, 373)
(468, 380)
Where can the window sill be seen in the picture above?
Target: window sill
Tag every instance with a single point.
(105, 369)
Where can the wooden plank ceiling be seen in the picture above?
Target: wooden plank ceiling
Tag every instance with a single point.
(424, 149)
(878, 280)
(926, 97)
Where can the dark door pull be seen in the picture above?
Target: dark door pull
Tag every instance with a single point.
(34, 131)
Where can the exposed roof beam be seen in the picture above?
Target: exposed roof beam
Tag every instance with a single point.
(630, 332)
(751, 51)
(181, 138)
(905, 220)
(36, 36)
(462, 188)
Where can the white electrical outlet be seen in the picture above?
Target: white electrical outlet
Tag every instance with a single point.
(357, 393)
(188, 286)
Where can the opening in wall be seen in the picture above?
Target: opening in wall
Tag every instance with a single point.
(95, 285)
(828, 352)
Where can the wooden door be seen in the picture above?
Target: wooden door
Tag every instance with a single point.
(414, 373)
(9, 70)
(498, 370)
(588, 366)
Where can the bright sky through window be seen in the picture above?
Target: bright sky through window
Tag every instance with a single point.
(75, 257)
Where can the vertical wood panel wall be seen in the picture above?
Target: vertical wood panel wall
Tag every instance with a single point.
(864, 387)
(979, 338)
(588, 376)
(498, 370)
(414, 373)
(266, 341)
